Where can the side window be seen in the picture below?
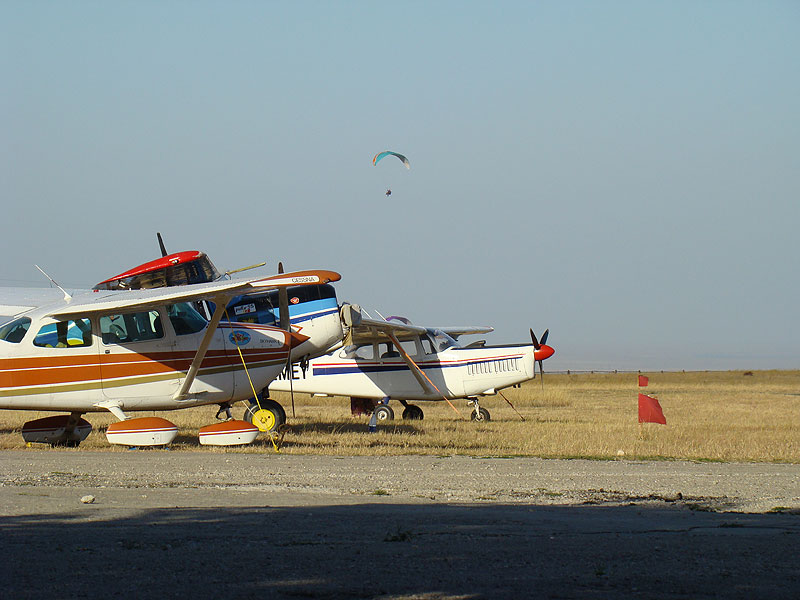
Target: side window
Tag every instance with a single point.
(64, 334)
(427, 348)
(132, 327)
(387, 350)
(15, 330)
(185, 319)
(410, 347)
(364, 352)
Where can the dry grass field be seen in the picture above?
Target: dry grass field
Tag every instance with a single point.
(715, 416)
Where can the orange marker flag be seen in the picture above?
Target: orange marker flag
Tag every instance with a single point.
(643, 380)
(650, 410)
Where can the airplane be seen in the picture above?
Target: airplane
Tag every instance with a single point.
(312, 310)
(308, 309)
(142, 350)
(393, 359)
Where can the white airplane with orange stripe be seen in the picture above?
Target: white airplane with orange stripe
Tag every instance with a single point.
(142, 350)
(393, 359)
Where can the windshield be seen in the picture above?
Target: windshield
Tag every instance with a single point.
(200, 270)
(15, 330)
(440, 340)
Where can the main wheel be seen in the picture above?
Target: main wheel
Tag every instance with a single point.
(413, 413)
(267, 418)
(384, 413)
(481, 415)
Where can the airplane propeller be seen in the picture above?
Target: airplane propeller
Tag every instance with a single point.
(541, 351)
(161, 245)
(286, 324)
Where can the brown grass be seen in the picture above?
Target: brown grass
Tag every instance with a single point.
(716, 416)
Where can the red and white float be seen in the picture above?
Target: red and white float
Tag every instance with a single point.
(142, 431)
(53, 430)
(228, 433)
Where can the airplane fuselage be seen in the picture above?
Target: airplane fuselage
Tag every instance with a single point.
(455, 372)
(135, 361)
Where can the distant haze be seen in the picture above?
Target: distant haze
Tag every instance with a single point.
(624, 173)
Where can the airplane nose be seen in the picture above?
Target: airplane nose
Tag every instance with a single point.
(295, 339)
(543, 352)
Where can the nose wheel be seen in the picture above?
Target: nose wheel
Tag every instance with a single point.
(383, 412)
(478, 413)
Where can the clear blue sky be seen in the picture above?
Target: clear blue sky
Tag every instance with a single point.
(624, 173)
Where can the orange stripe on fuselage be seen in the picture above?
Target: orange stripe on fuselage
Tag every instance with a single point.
(47, 370)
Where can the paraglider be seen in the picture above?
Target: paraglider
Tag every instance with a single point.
(380, 155)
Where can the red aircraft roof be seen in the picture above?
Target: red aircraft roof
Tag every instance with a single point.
(159, 263)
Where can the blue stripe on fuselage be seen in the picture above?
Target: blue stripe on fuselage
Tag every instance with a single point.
(387, 367)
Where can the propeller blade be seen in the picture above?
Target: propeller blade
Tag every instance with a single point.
(534, 340)
(161, 245)
(283, 304)
(544, 336)
(541, 372)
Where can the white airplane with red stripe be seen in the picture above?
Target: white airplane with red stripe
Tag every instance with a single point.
(393, 359)
(142, 350)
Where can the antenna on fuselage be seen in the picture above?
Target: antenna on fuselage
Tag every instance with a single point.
(67, 297)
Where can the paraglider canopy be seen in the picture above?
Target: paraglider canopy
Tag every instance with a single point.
(379, 156)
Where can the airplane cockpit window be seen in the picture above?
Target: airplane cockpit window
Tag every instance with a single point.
(348, 352)
(185, 319)
(64, 334)
(131, 327)
(363, 352)
(440, 340)
(199, 270)
(14, 331)
(388, 350)
(253, 309)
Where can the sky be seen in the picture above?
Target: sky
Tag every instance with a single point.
(625, 174)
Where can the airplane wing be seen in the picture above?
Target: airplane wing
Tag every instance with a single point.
(398, 329)
(101, 302)
(17, 300)
(371, 330)
(454, 332)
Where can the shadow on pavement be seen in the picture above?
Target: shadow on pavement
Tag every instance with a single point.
(383, 550)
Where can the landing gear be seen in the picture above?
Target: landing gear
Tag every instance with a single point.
(479, 413)
(268, 417)
(411, 412)
(224, 408)
(384, 412)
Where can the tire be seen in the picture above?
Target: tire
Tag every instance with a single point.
(413, 413)
(384, 413)
(268, 418)
(483, 416)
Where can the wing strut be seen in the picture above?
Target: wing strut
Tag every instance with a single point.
(183, 392)
(423, 379)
